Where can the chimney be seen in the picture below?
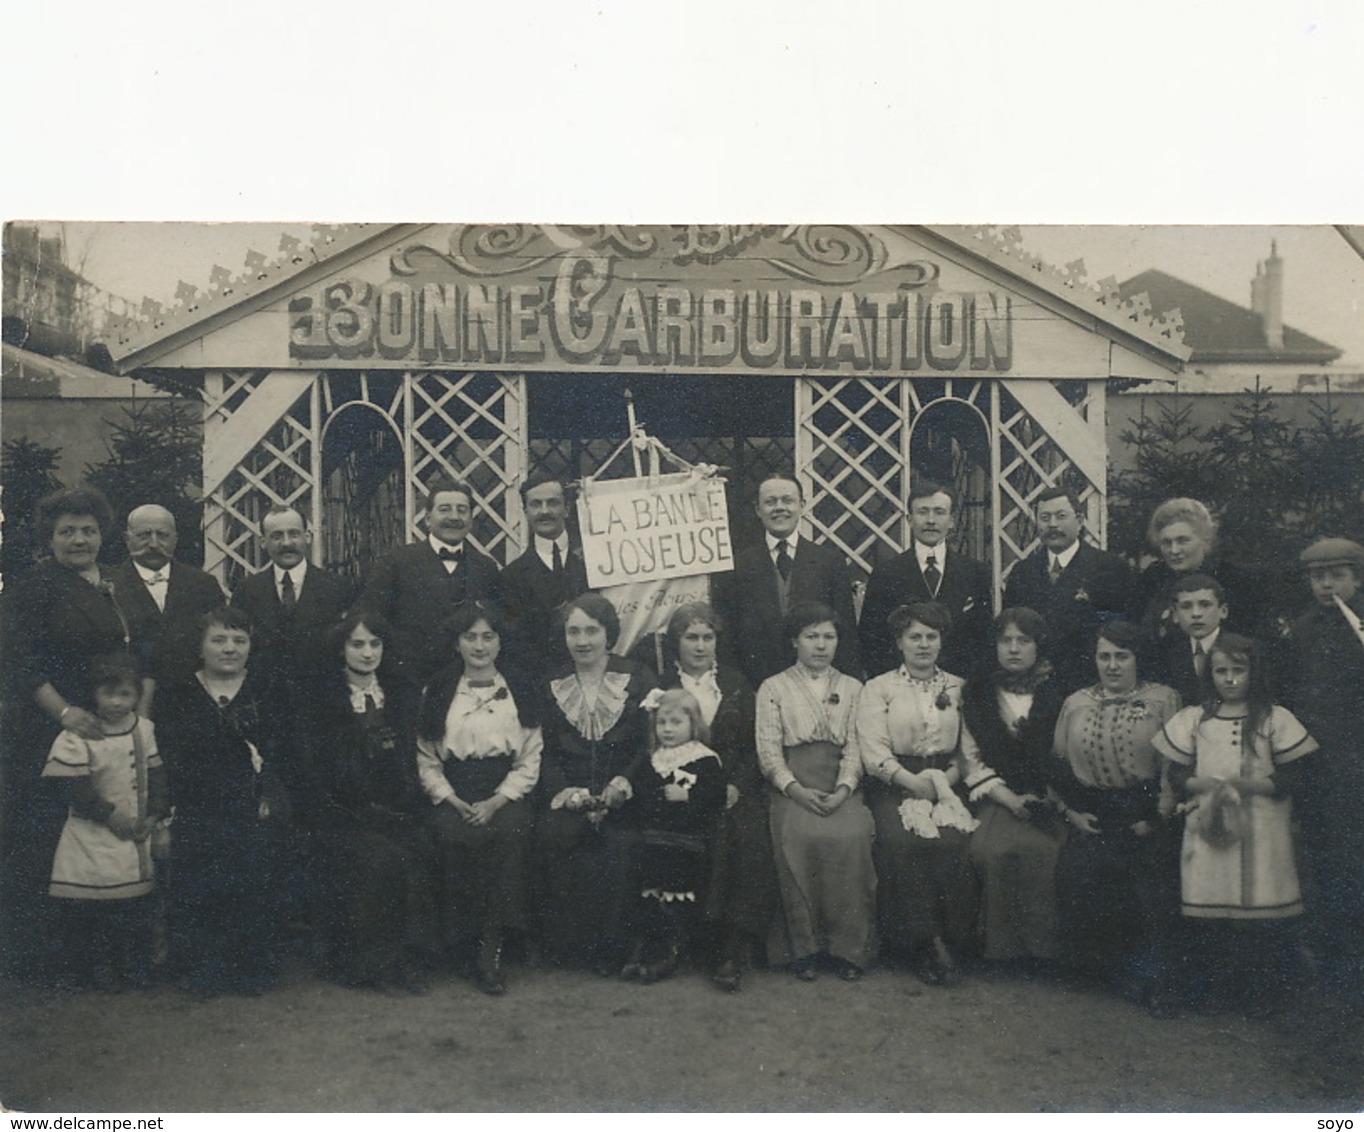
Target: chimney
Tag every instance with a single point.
(1266, 296)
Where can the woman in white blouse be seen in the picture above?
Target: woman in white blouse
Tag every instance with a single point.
(821, 832)
(478, 756)
(910, 731)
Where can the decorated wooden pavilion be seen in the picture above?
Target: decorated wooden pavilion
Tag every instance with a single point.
(341, 376)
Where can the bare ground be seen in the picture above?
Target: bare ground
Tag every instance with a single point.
(563, 1040)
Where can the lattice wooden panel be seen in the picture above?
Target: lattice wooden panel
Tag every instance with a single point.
(277, 467)
(471, 426)
(1031, 458)
(855, 445)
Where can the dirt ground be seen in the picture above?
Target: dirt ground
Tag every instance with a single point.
(563, 1040)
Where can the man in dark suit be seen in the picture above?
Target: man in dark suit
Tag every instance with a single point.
(1198, 607)
(418, 586)
(549, 573)
(291, 603)
(161, 599)
(1074, 586)
(927, 572)
(769, 578)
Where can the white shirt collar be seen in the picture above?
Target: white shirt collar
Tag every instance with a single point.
(939, 552)
(772, 541)
(295, 573)
(544, 548)
(1065, 556)
(1207, 642)
(147, 575)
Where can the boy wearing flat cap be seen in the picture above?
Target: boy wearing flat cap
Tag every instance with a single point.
(1325, 689)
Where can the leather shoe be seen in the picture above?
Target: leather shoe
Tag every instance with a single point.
(804, 969)
(728, 976)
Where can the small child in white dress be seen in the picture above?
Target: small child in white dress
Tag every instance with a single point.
(102, 870)
(1231, 763)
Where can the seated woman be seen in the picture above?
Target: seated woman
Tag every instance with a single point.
(596, 738)
(821, 832)
(1011, 715)
(478, 754)
(220, 738)
(374, 853)
(909, 728)
(1110, 891)
(743, 883)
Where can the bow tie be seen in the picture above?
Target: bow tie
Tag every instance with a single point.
(159, 578)
(448, 555)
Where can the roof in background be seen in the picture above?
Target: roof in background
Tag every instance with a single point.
(1218, 330)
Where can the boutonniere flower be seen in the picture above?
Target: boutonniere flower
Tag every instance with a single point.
(501, 693)
(944, 701)
(970, 605)
(1082, 594)
(652, 700)
(833, 698)
(1137, 710)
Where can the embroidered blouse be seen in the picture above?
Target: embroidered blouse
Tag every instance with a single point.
(903, 715)
(482, 723)
(1106, 738)
(797, 706)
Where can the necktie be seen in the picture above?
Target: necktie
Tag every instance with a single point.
(1200, 659)
(156, 586)
(784, 560)
(558, 563)
(932, 575)
(287, 596)
(450, 554)
(1054, 571)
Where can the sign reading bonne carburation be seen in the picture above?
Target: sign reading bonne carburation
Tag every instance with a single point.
(651, 529)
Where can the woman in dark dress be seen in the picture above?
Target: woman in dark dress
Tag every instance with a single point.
(596, 735)
(478, 754)
(1011, 718)
(58, 619)
(1112, 893)
(743, 884)
(356, 737)
(1184, 534)
(219, 734)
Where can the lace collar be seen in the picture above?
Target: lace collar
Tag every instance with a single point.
(592, 722)
(666, 760)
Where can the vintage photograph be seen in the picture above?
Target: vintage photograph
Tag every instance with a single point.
(768, 558)
(674, 667)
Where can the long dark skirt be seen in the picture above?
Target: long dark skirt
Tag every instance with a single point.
(590, 887)
(376, 898)
(826, 877)
(1015, 865)
(925, 888)
(743, 882)
(224, 904)
(483, 873)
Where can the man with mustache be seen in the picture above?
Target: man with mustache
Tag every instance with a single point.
(417, 586)
(926, 571)
(162, 599)
(1076, 587)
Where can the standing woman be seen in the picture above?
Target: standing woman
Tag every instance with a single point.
(743, 887)
(357, 736)
(806, 736)
(1184, 534)
(1012, 715)
(909, 726)
(478, 755)
(1108, 885)
(220, 734)
(596, 736)
(57, 621)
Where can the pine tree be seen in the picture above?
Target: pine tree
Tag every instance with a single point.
(28, 471)
(1329, 465)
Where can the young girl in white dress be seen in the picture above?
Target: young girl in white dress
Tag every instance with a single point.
(103, 871)
(1231, 762)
